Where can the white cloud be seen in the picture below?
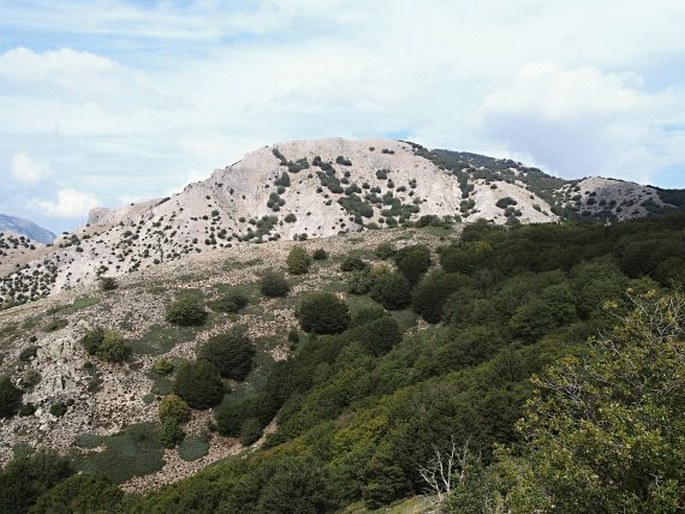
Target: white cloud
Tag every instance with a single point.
(70, 203)
(26, 170)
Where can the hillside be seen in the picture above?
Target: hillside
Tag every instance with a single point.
(316, 189)
(335, 391)
(25, 228)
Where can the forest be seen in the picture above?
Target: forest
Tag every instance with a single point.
(547, 375)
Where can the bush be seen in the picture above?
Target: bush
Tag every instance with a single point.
(230, 353)
(199, 384)
(273, 284)
(250, 431)
(10, 398)
(433, 291)
(24, 479)
(114, 347)
(84, 493)
(232, 302)
(174, 407)
(170, 433)
(163, 366)
(505, 202)
(385, 250)
(413, 262)
(108, 283)
(361, 282)
(353, 264)
(290, 218)
(298, 261)
(392, 291)
(320, 254)
(186, 311)
(108, 345)
(58, 409)
(379, 336)
(323, 313)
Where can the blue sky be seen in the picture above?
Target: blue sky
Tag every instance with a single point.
(103, 102)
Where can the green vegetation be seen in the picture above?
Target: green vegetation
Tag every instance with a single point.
(193, 448)
(298, 261)
(323, 313)
(273, 284)
(108, 345)
(84, 493)
(232, 301)
(10, 398)
(199, 384)
(188, 310)
(230, 353)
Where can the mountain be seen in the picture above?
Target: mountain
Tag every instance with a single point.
(26, 228)
(316, 189)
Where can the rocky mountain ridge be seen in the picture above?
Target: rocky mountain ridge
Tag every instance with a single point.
(314, 189)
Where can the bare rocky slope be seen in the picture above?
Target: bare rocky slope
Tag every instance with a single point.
(314, 189)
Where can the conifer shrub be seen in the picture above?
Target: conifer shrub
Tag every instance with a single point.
(230, 353)
(323, 313)
(173, 407)
(413, 262)
(10, 398)
(320, 254)
(170, 433)
(298, 261)
(199, 384)
(231, 302)
(108, 283)
(273, 284)
(188, 310)
(392, 291)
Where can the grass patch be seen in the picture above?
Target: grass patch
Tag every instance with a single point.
(193, 448)
(233, 265)
(55, 325)
(162, 386)
(132, 452)
(160, 339)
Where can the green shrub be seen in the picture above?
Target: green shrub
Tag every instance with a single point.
(505, 202)
(28, 353)
(232, 302)
(199, 384)
(186, 311)
(320, 254)
(290, 218)
(10, 398)
(353, 264)
(108, 283)
(379, 336)
(385, 250)
(92, 341)
(25, 479)
(361, 282)
(170, 433)
(392, 291)
(323, 313)
(432, 292)
(193, 448)
(85, 493)
(250, 431)
(413, 262)
(230, 353)
(298, 261)
(273, 284)
(163, 367)
(58, 409)
(173, 407)
(114, 347)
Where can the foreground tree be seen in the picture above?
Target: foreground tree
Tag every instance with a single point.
(605, 433)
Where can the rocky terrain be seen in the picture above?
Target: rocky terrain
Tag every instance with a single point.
(40, 348)
(313, 189)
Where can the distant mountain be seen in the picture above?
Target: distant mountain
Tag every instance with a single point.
(320, 188)
(24, 227)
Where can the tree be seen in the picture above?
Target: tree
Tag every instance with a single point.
(432, 292)
(298, 261)
(605, 434)
(323, 313)
(187, 310)
(24, 479)
(392, 291)
(108, 345)
(230, 353)
(413, 262)
(173, 407)
(10, 398)
(199, 384)
(84, 493)
(273, 284)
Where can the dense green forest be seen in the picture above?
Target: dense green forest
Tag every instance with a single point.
(548, 377)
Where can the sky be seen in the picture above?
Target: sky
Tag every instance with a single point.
(104, 102)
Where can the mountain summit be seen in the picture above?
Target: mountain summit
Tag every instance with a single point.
(319, 188)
